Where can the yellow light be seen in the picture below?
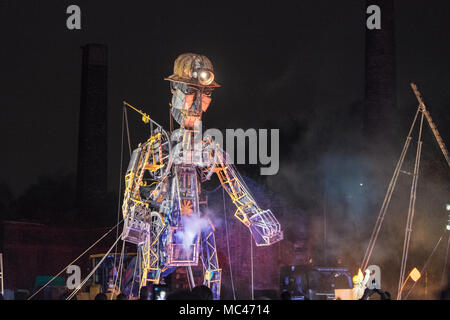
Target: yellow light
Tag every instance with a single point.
(359, 277)
(415, 274)
(206, 77)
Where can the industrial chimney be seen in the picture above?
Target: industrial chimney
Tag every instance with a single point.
(92, 144)
(380, 97)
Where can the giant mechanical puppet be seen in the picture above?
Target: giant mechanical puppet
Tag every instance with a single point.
(161, 205)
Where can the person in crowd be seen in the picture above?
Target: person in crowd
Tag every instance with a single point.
(101, 296)
(285, 295)
(121, 296)
(201, 293)
(180, 295)
(146, 293)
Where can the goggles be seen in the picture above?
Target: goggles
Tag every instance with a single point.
(190, 89)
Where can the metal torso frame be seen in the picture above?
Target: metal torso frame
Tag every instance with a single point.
(163, 184)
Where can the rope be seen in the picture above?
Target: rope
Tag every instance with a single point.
(141, 273)
(134, 274)
(128, 129)
(121, 266)
(426, 264)
(85, 251)
(124, 122)
(119, 271)
(214, 190)
(93, 270)
(228, 244)
(120, 182)
(445, 263)
(251, 265)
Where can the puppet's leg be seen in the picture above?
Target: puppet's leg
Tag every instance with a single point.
(212, 272)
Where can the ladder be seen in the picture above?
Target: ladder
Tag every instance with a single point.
(2, 289)
(431, 124)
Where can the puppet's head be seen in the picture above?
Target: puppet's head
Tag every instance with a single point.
(191, 84)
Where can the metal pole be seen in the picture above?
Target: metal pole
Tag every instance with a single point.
(411, 209)
(387, 198)
(325, 227)
(1, 273)
(190, 277)
(251, 265)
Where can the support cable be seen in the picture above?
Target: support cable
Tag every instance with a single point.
(121, 267)
(251, 266)
(74, 292)
(445, 263)
(118, 275)
(128, 129)
(228, 244)
(134, 275)
(120, 182)
(426, 264)
(75, 260)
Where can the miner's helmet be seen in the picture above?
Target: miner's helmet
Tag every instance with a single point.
(193, 69)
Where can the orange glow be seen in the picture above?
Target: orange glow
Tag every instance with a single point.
(186, 208)
(415, 274)
(359, 277)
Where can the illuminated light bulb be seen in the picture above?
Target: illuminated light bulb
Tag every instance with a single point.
(415, 274)
(206, 77)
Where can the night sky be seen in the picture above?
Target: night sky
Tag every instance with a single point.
(301, 60)
(297, 66)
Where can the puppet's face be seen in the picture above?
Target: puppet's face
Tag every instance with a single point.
(189, 101)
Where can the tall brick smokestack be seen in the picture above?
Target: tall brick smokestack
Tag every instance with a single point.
(380, 97)
(92, 144)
